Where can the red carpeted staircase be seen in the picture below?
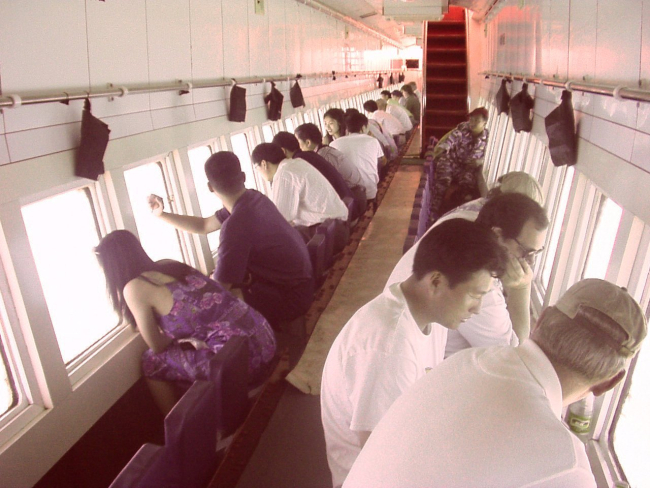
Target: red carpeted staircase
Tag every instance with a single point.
(445, 94)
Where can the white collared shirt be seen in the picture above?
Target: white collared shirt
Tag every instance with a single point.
(364, 151)
(389, 123)
(486, 417)
(303, 195)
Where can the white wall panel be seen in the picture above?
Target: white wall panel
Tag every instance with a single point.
(166, 117)
(258, 42)
(117, 55)
(618, 50)
(293, 40)
(582, 39)
(641, 151)
(643, 118)
(612, 137)
(33, 51)
(559, 37)
(306, 35)
(46, 140)
(622, 112)
(207, 37)
(170, 58)
(236, 58)
(277, 36)
(33, 116)
(4, 151)
(645, 45)
(129, 124)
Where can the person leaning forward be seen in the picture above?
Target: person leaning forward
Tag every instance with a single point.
(260, 255)
(491, 417)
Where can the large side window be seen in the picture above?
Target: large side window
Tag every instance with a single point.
(62, 232)
(267, 132)
(288, 123)
(240, 148)
(602, 243)
(209, 203)
(159, 240)
(8, 393)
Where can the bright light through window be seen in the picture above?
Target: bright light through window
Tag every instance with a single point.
(209, 203)
(632, 432)
(240, 148)
(267, 132)
(289, 124)
(159, 240)
(602, 243)
(62, 234)
(7, 397)
(554, 235)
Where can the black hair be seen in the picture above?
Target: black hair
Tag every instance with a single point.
(510, 212)
(385, 92)
(286, 140)
(338, 115)
(267, 151)
(356, 122)
(370, 106)
(407, 88)
(480, 111)
(397, 93)
(123, 259)
(458, 248)
(309, 132)
(224, 173)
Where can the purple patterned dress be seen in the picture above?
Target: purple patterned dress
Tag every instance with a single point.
(204, 310)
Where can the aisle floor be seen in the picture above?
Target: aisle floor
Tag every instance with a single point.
(291, 452)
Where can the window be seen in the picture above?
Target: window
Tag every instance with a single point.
(630, 434)
(159, 240)
(602, 243)
(209, 203)
(556, 218)
(240, 148)
(289, 124)
(62, 232)
(8, 396)
(267, 132)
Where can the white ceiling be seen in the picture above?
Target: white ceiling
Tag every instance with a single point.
(401, 20)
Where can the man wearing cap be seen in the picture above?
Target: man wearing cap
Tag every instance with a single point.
(492, 416)
(259, 253)
(520, 223)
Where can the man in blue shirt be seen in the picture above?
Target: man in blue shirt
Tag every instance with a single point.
(260, 256)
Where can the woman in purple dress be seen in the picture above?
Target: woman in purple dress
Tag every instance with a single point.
(184, 317)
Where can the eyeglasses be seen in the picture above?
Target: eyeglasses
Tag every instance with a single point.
(528, 253)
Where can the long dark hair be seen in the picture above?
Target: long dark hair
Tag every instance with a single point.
(338, 115)
(123, 259)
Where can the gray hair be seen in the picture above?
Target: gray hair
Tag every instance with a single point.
(586, 345)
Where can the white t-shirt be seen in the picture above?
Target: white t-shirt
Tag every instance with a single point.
(379, 353)
(303, 195)
(400, 114)
(486, 417)
(349, 171)
(492, 325)
(389, 123)
(364, 151)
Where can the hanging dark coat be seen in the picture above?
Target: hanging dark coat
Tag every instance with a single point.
(295, 94)
(561, 131)
(94, 139)
(502, 99)
(380, 82)
(274, 102)
(237, 112)
(521, 107)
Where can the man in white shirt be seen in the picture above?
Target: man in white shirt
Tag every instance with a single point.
(396, 338)
(389, 124)
(520, 224)
(491, 417)
(363, 150)
(300, 192)
(398, 112)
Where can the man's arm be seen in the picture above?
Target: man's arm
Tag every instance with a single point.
(516, 285)
(188, 223)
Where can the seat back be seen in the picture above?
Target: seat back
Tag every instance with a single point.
(316, 247)
(352, 210)
(229, 375)
(327, 230)
(191, 434)
(148, 468)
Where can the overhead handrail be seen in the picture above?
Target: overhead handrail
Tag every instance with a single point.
(619, 92)
(181, 86)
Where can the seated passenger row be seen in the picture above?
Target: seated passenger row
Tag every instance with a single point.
(432, 308)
